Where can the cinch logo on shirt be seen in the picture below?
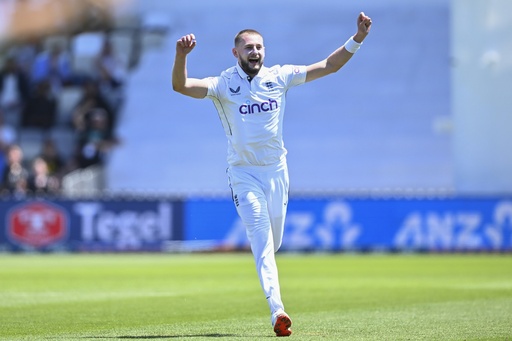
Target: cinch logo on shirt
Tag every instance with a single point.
(255, 108)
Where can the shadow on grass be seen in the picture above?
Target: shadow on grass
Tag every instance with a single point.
(156, 337)
(168, 336)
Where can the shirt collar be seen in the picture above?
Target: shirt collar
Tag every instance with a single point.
(242, 73)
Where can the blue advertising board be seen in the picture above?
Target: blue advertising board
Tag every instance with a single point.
(89, 225)
(324, 224)
(449, 224)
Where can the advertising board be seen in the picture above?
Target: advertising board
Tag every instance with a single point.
(89, 225)
(451, 224)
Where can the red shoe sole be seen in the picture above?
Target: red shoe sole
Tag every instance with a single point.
(282, 325)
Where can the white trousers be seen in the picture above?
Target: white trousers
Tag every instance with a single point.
(260, 195)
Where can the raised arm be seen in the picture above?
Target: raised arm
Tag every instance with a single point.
(193, 87)
(342, 55)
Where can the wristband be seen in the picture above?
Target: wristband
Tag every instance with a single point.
(351, 45)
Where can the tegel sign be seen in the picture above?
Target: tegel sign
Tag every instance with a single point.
(96, 225)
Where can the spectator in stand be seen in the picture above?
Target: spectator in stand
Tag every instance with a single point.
(8, 136)
(90, 100)
(41, 109)
(14, 88)
(15, 175)
(55, 162)
(26, 52)
(54, 65)
(40, 181)
(111, 75)
(95, 140)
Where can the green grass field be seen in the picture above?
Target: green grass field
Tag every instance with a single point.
(217, 296)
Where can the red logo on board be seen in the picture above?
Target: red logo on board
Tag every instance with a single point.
(37, 224)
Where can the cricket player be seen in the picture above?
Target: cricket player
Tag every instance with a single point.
(250, 100)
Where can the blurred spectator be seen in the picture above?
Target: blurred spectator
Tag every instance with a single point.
(8, 133)
(14, 88)
(50, 154)
(91, 99)
(96, 140)
(111, 75)
(40, 181)
(41, 108)
(8, 136)
(25, 53)
(15, 175)
(54, 65)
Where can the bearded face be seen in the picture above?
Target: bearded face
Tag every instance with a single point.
(250, 53)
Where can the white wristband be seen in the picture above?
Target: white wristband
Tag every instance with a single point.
(351, 45)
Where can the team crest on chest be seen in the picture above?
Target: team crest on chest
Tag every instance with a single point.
(270, 86)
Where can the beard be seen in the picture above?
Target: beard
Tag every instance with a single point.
(251, 68)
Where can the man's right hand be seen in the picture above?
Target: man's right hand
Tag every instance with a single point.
(185, 44)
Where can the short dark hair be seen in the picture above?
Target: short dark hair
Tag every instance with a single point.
(242, 32)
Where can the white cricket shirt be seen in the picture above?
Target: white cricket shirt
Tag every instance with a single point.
(252, 112)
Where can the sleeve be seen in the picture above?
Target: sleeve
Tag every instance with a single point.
(293, 75)
(213, 87)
